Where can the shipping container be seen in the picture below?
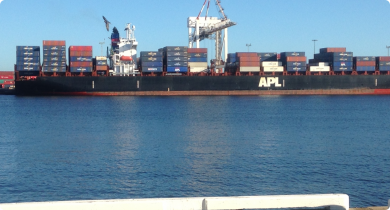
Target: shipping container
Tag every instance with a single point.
(6, 76)
(296, 69)
(27, 68)
(178, 64)
(272, 58)
(176, 54)
(9, 82)
(80, 48)
(249, 64)
(384, 63)
(295, 59)
(152, 64)
(273, 69)
(54, 69)
(102, 68)
(271, 54)
(54, 48)
(246, 54)
(197, 59)
(177, 69)
(198, 69)
(365, 63)
(151, 59)
(249, 59)
(28, 59)
(28, 53)
(365, 68)
(250, 69)
(321, 64)
(54, 58)
(80, 58)
(383, 59)
(179, 59)
(101, 58)
(80, 64)
(53, 43)
(80, 69)
(292, 54)
(197, 55)
(59, 63)
(198, 64)
(342, 68)
(333, 49)
(1, 81)
(28, 49)
(384, 68)
(152, 69)
(197, 50)
(151, 54)
(343, 64)
(298, 64)
(101, 63)
(175, 49)
(364, 58)
(319, 68)
(270, 63)
(54, 53)
(28, 63)
(28, 73)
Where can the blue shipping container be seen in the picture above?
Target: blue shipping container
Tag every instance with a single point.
(233, 60)
(364, 58)
(80, 69)
(292, 54)
(101, 63)
(151, 54)
(197, 55)
(28, 53)
(176, 54)
(29, 59)
(384, 63)
(343, 64)
(177, 64)
(152, 64)
(152, 69)
(54, 58)
(197, 59)
(151, 59)
(342, 68)
(267, 54)
(272, 58)
(384, 68)
(27, 48)
(297, 64)
(27, 68)
(339, 54)
(365, 68)
(177, 69)
(27, 63)
(80, 58)
(54, 69)
(179, 59)
(54, 53)
(51, 48)
(175, 49)
(295, 68)
(59, 63)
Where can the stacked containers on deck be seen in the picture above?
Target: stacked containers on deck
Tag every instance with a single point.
(54, 56)
(383, 63)
(269, 62)
(151, 61)
(7, 79)
(176, 59)
(80, 59)
(364, 63)
(338, 58)
(101, 63)
(293, 61)
(318, 66)
(28, 59)
(248, 62)
(197, 59)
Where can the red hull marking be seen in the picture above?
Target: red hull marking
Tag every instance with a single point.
(382, 91)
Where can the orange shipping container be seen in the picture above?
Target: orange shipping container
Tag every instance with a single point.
(53, 43)
(249, 64)
(296, 59)
(251, 59)
(365, 63)
(102, 68)
(246, 54)
(197, 50)
(80, 48)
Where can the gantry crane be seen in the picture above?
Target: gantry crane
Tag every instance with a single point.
(200, 28)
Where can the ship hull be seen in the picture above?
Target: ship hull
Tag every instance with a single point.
(207, 85)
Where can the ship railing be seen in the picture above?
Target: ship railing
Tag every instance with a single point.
(328, 201)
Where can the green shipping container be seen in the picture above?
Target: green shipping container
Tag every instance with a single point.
(1, 81)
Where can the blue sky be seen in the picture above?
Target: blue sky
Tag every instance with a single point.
(362, 26)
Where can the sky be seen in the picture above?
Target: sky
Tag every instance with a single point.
(362, 26)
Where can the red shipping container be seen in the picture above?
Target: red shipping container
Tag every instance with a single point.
(197, 50)
(53, 43)
(365, 63)
(246, 54)
(384, 58)
(296, 59)
(249, 64)
(251, 59)
(114, 40)
(333, 49)
(6, 77)
(80, 48)
(80, 64)
(80, 53)
(9, 82)
(102, 68)
(7, 73)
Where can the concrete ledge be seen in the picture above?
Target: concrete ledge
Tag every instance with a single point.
(333, 201)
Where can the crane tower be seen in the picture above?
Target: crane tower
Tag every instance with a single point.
(200, 28)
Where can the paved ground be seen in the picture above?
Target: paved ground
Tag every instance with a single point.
(371, 208)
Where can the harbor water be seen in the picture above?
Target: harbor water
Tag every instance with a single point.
(80, 148)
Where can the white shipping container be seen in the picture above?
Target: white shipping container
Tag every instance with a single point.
(273, 69)
(101, 58)
(319, 68)
(270, 63)
(250, 69)
(197, 69)
(322, 64)
(197, 64)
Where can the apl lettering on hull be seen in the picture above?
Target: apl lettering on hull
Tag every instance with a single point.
(268, 81)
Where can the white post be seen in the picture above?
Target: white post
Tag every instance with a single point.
(226, 44)
(197, 33)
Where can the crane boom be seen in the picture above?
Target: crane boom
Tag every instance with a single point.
(202, 9)
(220, 9)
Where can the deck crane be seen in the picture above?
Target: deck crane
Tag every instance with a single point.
(200, 28)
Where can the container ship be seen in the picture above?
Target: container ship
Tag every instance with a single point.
(182, 70)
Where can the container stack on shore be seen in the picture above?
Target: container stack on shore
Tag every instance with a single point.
(7, 79)
(28, 60)
(383, 63)
(248, 62)
(80, 59)
(176, 59)
(197, 59)
(54, 56)
(293, 61)
(364, 63)
(151, 62)
(269, 62)
(338, 59)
